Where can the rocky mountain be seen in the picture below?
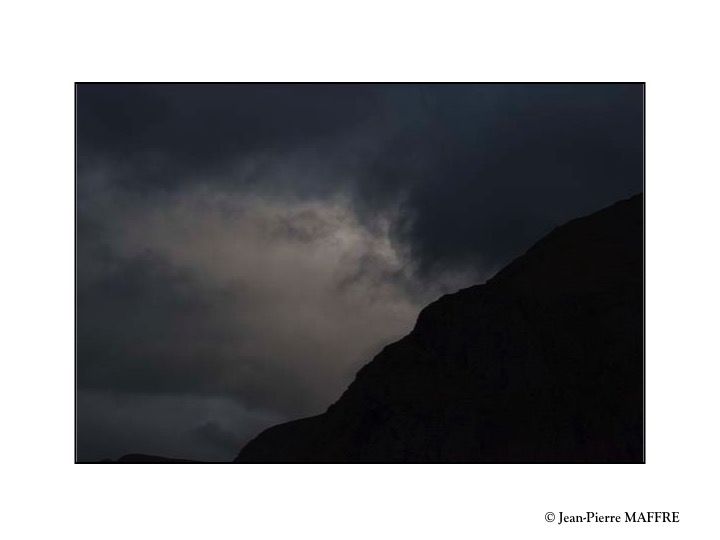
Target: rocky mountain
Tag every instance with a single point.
(541, 364)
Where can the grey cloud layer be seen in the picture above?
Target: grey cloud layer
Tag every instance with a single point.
(205, 428)
(481, 169)
(212, 291)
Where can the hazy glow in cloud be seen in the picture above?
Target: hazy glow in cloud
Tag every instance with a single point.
(297, 295)
(316, 290)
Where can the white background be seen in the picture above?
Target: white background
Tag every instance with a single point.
(46, 46)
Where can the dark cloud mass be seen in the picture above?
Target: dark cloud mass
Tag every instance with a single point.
(243, 249)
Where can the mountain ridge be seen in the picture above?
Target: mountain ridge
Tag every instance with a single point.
(541, 363)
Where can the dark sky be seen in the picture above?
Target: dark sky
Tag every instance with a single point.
(243, 249)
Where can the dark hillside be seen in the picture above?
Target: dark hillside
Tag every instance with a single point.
(543, 363)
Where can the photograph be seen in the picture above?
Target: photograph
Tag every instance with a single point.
(357, 273)
(336, 271)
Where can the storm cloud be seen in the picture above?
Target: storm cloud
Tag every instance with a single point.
(251, 246)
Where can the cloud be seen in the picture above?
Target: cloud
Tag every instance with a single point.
(112, 424)
(223, 438)
(165, 131)
(487, 170)
(481, 170)
(273, 303)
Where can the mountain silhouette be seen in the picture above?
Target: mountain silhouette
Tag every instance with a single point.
(147, 458)
(541, 364)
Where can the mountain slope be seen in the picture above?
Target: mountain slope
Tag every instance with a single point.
(543, 363)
